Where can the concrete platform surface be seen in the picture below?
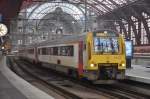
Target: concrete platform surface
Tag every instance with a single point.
(14, 87)
(8, 91)
(139, 73)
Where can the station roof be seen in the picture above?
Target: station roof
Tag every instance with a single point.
(76, 8)
(102, 6)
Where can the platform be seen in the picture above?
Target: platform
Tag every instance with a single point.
(139, 73)
(14, 87)
(8, 91)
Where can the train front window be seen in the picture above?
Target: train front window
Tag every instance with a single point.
(106, 45)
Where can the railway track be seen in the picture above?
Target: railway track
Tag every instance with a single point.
(123, 91)
(61, 85)
(80, 90)
(34, 81)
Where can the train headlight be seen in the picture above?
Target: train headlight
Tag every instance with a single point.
(91, 65)
(123, 65)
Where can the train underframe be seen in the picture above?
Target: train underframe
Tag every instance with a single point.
(104, 75)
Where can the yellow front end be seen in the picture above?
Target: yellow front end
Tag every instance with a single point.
(106, 60)
(105, 66)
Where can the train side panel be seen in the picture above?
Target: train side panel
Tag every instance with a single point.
(62, 63)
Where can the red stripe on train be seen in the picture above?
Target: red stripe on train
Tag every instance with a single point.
(80, 58)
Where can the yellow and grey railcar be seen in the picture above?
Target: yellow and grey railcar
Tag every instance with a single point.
(97, 56)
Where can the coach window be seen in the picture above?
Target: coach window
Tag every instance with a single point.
(59, 51)
(70, 50)
(47, 51)
(63, 51)
(51, 51)
(67, 51)
(55, 50)
(43, 51)
(39, 51)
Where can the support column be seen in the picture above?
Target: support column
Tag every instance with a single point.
(129, 31)
(123, 28)
(139, 30)
(146, 28)
(130, 21)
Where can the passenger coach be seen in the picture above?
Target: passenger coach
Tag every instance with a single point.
(96, 56)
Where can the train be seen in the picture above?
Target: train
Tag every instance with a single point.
(98, 56)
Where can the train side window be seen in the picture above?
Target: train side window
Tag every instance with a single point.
(43, 51)
(49, 51)
(52, 51)
(55, 50)
(63, 51)
(71, 51)
(59, 51)
(66, 51)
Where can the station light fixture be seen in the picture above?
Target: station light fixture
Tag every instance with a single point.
(3, 29)
(3, 47)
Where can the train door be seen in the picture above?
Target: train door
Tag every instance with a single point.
(80, 59)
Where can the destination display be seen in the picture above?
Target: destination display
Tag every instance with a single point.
(106, 45)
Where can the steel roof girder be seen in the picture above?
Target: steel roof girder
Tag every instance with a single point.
(143, 20)
(130, 21)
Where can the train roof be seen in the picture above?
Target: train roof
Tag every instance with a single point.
(66, 38)
(106, 30)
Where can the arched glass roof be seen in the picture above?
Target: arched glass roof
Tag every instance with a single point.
(103, 6)
(46, 8)
(76, 8)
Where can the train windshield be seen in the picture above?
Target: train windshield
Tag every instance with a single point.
(106, 45)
